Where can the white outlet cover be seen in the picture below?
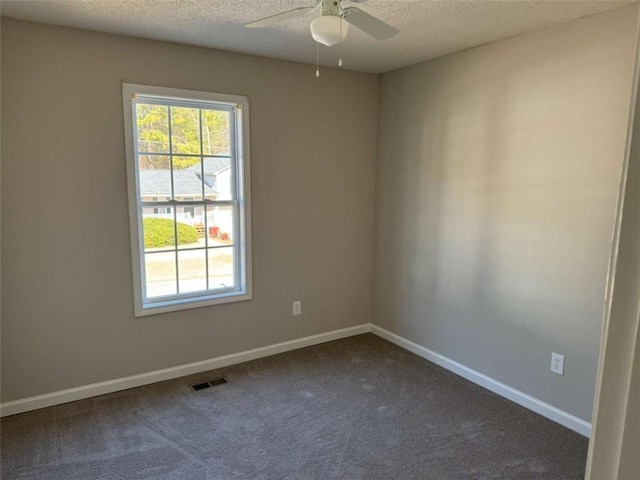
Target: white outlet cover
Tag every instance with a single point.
(557, 363)
(297, 308)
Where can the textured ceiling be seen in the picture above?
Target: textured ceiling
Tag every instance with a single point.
(428, 28)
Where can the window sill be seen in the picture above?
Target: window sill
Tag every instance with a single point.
(186, 304)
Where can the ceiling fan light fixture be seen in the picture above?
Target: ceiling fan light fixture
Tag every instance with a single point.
(326, 29)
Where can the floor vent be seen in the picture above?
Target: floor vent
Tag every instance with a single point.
(200, 386)
(212, 383)
(218, 381)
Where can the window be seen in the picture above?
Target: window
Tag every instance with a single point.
(188, 179)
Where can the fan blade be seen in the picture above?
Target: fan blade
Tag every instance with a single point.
(369, 24)
(278, 17)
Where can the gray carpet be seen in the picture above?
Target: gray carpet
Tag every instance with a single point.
(359, 408)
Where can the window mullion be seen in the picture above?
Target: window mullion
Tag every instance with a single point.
(163, 154)
(206, 245)
(201, 155)
(188, 203)
(206, 223)
(175, 246)
(173, 196)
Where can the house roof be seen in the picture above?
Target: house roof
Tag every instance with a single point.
(186, 182)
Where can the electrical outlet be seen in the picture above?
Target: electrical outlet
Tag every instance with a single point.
(297, 308)
(557, 363)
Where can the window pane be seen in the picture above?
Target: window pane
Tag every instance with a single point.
(217, 178)
(190, 227)
(153, 128)
(221, 270)
(192, 271)
(160, 273)
(185, 130)
(187, 178)
(215, 132)
(155, 178)
(220, 226)
(158, 228)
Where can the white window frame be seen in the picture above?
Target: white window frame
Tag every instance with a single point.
(239, 162)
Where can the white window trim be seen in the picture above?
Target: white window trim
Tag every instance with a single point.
(129, 90)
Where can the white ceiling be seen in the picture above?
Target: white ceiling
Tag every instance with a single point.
(428, 28)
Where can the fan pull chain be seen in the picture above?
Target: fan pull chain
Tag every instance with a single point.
(317, 60)
(340, 59)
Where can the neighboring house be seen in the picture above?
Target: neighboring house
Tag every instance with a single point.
(155, 185)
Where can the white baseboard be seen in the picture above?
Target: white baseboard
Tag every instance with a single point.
(101, 388)
(549, 411)
(86, 391)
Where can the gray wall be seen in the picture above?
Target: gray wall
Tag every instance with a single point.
(497, 177)
(67, 306)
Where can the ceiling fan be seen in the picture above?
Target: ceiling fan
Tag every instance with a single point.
(329, 28)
